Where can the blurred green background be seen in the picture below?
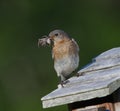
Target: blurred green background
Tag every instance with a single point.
(26, 71)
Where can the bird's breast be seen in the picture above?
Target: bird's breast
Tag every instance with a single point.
(64, 49)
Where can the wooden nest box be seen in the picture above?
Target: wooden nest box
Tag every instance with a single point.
(98, 89)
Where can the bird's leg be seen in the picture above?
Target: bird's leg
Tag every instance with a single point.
(63, 80)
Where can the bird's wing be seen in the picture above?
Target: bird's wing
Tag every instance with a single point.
(76, 44)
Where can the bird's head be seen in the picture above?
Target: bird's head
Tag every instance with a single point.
(58, 36)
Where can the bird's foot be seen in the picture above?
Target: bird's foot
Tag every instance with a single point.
(79, 74)
(64, 82)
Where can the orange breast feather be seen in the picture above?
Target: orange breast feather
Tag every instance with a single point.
(64, 48)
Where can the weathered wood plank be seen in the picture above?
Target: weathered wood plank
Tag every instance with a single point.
(95, 84)
(110, 58)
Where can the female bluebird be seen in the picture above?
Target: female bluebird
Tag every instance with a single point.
(65, 52)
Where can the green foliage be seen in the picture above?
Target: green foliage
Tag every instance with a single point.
(26, 71)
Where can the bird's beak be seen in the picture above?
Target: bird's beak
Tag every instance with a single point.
(51, 37)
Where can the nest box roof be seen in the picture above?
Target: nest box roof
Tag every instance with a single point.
(100, 78)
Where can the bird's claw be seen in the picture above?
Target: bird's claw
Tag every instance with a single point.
(64, 82)
(79, 74)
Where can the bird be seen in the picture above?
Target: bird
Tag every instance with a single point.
(65, 53)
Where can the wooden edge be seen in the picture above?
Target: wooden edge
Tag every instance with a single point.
(76, 97)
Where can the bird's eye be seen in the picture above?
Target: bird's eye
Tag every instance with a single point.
(56, 34)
